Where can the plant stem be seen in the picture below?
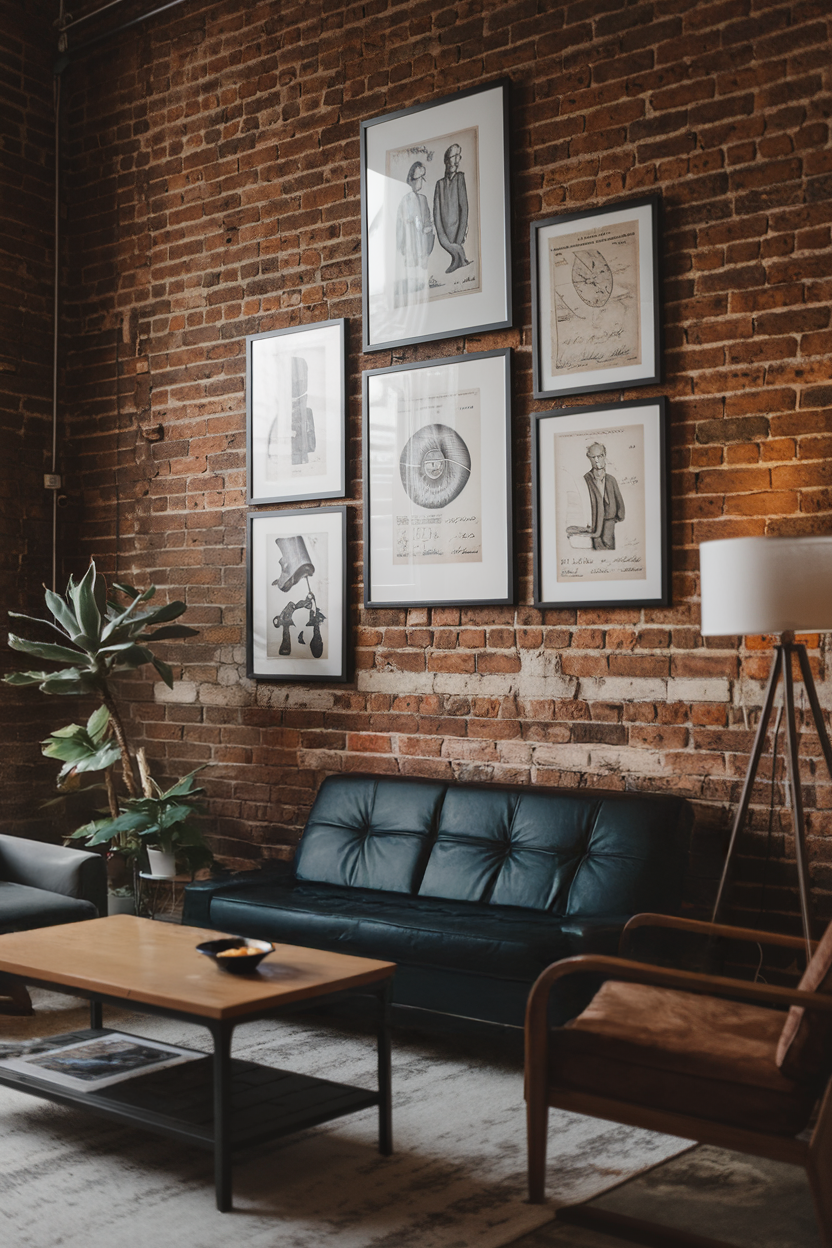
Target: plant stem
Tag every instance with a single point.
(121, 737)
(111, 793)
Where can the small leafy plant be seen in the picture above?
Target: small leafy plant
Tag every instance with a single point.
(101, 637)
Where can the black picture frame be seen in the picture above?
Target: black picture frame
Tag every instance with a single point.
(314, 545)
(574, 563)
(596, 299)
(421, 546)
(437, 289)
(296, 413)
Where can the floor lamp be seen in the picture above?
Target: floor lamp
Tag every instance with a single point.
(783, 585)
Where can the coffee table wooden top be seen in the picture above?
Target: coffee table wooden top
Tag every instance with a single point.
(155, 963)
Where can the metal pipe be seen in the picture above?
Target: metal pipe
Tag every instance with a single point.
(85, 17)
(117, 30)
(56, 278)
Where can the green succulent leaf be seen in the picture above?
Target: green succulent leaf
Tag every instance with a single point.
(34, 619)
(164, 671)
(86, 608)
(62, 612)
(44, 650)
(169, 631)
(25, 678)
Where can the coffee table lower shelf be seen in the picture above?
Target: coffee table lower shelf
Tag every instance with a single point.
(179, 1101)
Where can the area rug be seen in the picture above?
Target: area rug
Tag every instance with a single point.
(456, 1180)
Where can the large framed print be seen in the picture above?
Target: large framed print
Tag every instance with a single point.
(436, 258)
(295, 413)
(437, 473)
(296, 601)
(600, 506)
(596, 321)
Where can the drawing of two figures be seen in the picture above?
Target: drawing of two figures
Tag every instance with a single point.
(417, 228)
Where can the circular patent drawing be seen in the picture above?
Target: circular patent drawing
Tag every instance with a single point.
(435, 466)
(592, 277)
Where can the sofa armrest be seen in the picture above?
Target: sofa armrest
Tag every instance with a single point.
(196, 911)
(56, 868)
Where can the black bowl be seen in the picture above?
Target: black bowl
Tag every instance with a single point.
(241, 963)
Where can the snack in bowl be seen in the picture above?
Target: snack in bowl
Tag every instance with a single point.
(237, 954)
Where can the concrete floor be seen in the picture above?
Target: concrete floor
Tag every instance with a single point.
(730, 1197)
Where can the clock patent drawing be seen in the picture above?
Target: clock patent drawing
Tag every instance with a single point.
(592, 277)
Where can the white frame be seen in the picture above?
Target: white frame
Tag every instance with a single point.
(274, 478)
(595, 583)
(264, 527)
(430, 129)
(595, 224)
(394, 402)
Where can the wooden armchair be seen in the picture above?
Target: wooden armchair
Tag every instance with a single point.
(703, 1057)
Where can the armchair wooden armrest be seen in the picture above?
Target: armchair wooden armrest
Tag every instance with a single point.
(674, 923)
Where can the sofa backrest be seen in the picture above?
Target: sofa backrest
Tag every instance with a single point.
(566, 851)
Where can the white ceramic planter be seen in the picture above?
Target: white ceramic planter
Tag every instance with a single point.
(162, 863)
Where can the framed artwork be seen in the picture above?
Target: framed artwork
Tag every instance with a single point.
(437, 473)
(600, 506)
(436, 257)
(296, 599)
(295, 413)
(595, 300)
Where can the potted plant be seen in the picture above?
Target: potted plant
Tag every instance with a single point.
(102, 637)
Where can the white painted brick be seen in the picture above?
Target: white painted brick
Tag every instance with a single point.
(182, 691)
(600, 759)
(622, 689)
(714, 690)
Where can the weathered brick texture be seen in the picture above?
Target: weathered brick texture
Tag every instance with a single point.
(213, 165)
(27, 158)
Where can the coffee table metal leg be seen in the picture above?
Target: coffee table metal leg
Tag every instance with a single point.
(96, 1015)
(222, 1113)
(385, 1089)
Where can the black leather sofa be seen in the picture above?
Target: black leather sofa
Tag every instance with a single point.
(472, 889)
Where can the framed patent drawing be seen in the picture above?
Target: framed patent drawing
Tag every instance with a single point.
(296, 597)
(435, 219)
(595, 300)
(437, 473)
(600, 506)
(295, 413)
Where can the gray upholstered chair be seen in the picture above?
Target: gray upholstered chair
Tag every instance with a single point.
(43, 885)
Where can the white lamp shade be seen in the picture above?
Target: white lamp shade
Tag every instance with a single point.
(766, 585)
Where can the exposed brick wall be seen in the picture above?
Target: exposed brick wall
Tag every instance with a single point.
(214, 165)
(27, 156)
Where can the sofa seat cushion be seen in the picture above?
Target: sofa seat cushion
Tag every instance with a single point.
(502, 941)
(22, 908)
(683, 1053)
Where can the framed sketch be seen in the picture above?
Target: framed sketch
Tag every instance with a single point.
(600, 506)
(435, 219)
(296, 600)
(595, 300)
(437, 473)
(295, 413)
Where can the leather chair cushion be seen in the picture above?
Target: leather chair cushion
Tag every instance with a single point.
(499, 941)
(22, 908)
(803, 1051)
(682, 1053)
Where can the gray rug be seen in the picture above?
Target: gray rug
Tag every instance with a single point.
(456, 1180)
(746, 1201)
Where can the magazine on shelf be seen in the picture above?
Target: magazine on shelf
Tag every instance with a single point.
(96, 1063)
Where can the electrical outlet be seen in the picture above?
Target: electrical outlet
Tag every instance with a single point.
(51, 481)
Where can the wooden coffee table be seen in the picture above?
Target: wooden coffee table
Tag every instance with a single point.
(211, 1102)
